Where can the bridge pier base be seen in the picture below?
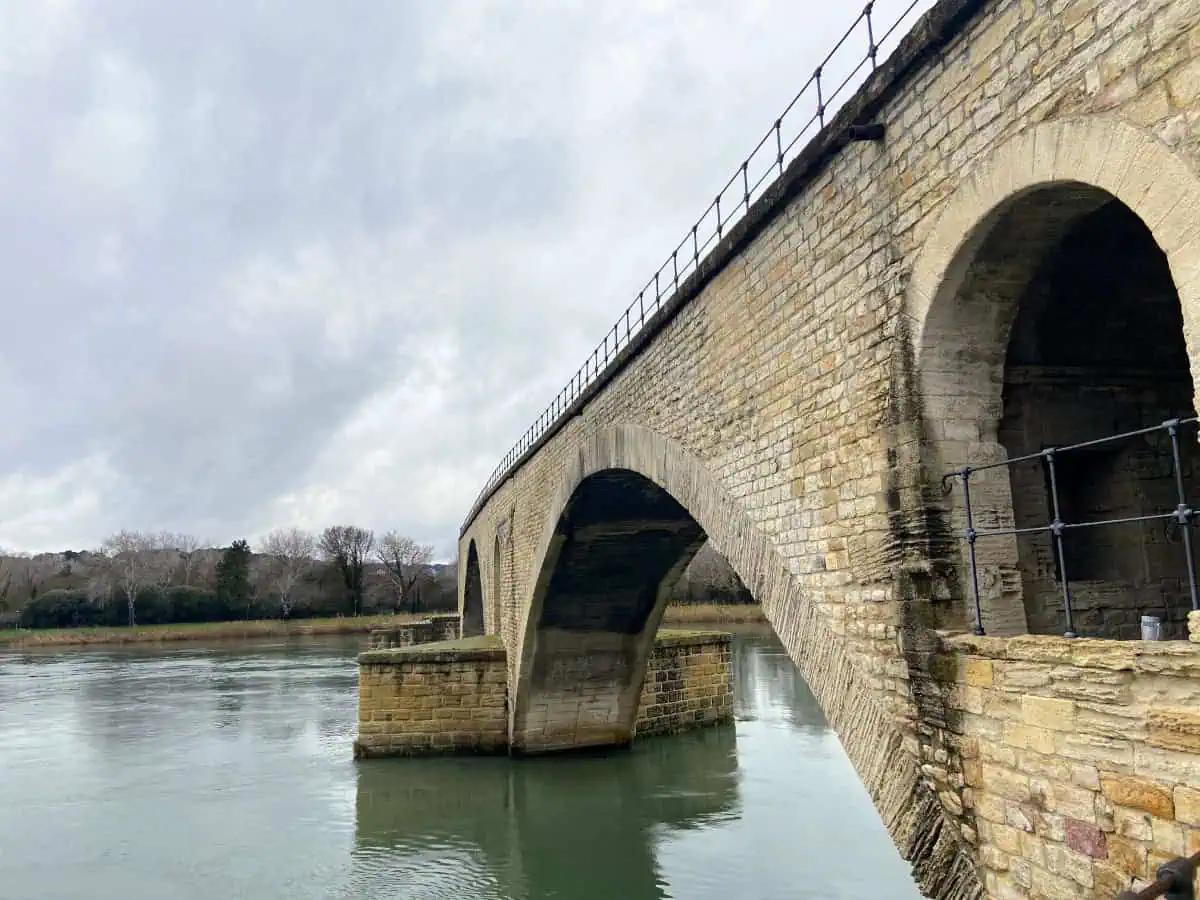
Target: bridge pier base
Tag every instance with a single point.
(448, 697)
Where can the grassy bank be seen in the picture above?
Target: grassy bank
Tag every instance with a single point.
(203, 631)
(696, 614)
(713, 614)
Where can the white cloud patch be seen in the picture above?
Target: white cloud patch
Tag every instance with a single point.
(323, 263)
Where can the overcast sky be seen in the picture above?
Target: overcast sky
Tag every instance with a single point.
(275, 263)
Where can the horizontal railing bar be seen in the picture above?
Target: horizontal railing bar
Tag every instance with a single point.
(1049, 527)
(1067, 448)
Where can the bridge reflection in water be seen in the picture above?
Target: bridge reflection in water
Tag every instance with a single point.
(578, 826)
(761, 809)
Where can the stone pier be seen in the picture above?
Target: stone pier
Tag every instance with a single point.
(409, 634)
(452, 696)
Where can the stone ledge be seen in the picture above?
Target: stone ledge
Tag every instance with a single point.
(486, 647)
(680, 637)
(1194, 626)
(1152, 657)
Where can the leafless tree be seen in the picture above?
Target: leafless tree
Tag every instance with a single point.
(8, 577)
(405, 562)
(134, 563)
(291, 551)
(187, 546)
(347, 547)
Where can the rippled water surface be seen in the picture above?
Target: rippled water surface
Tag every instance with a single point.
(225, 771)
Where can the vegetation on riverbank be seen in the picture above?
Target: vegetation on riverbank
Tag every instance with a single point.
(708, 614)
(199, 631)
(713, 614)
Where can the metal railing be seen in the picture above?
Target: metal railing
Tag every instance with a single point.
(765, 162)
(1175, 880)
(1182, 515)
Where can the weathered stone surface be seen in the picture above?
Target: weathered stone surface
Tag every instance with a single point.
(1194, 626)
(1086, 838)
(1138, 793)
(452, 696)
(1187, 805)
(1174, 729)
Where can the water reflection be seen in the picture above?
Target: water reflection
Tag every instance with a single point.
(573, 826)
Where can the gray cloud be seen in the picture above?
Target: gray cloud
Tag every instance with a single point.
(277, 263)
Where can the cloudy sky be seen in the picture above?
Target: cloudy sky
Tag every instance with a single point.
(270, 263)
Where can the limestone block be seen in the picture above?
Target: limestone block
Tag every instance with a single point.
(1138, 793)
(1187, 805)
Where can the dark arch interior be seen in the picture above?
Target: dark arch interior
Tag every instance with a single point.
(621, 536)
(1097, 348)
(472, 619)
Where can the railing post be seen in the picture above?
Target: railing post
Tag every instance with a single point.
(971, 535)
(873, 51)
(1183, 512)
(820, 96)
(1056, 528)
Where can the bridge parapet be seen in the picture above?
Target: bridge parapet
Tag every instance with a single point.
(1081, 759)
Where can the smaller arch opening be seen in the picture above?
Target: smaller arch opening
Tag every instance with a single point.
(472, 614)
(1060, 324)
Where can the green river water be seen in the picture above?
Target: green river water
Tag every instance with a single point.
(224, 771)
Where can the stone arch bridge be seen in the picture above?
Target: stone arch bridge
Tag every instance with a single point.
(1013, 264)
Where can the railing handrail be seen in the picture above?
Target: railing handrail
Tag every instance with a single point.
(1175, 880)
(1183, 514)
(687, 255)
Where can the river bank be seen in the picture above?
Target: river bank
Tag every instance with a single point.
(697, 614)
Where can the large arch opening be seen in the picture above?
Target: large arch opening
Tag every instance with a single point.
(620, 544)
(633, 495)
(472, 612)
(1059, 323)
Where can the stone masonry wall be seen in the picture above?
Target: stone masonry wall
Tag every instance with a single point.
(450, 697)
(779, 404)
(411, 634)
(1081, 760)
(447, 697)
(689, 683)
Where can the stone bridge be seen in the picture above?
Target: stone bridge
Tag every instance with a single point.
(1015, 265)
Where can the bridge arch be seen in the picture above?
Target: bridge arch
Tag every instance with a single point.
(624, 477)
(1056, 299)
(472, 611)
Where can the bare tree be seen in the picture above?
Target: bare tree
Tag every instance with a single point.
(187, 546)
(134, 564)
(8, 577)
(347, 547)
(291, 551)
(405, 562)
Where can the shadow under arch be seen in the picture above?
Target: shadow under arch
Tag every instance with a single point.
(654, 485)
(1063, 232)
(472, 609)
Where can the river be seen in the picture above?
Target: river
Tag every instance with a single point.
(225, 770)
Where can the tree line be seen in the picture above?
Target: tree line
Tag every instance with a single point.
(156, 578)
(138, 577)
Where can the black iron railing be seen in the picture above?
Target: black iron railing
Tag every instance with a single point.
(765, 162)
(1175, 880)
(1182, 515)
